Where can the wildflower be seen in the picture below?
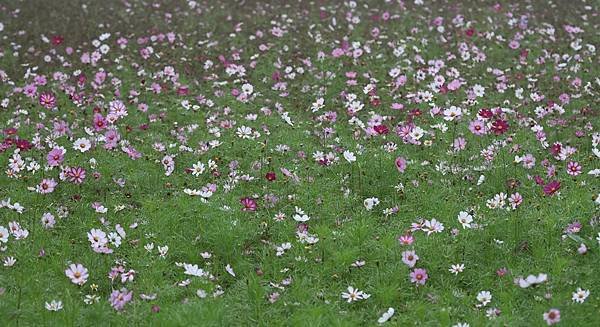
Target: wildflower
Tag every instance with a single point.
(419, 276)
(97, 238)
(409, 258)
(201, 293)
(457, 268)
(370, 203)
(82, 145)
(300, 216)
(515, 200)
(552, 316)
(465, 219)
(54, 305)
(531, 280)
(580, 295)
(162, 251)
(9, 261)
(582, 249)
(573, 168)
(118, 299)
(55, 157)
(406, 239)
(48, 222)
(432, 226)
(354, 295)
(401, 164)
(77, 273)
(4, 233)
(230, 270)
(249, 204)
(499, 126)
(91, 299)
(46, 186)
(349, 156)
(484, 298)
(75, 175)
(386, 316)
(193, 270)
(552, 187)
(452, 113)
(47, 100)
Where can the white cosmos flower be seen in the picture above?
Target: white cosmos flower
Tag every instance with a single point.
(82, 145)
(354, 295)
(465, 219)
(349, 156)
(386, 315)
(531, 280)
(580, 295)
(54, 305)
(247, 89)
(457, 268)
(370, 203)
(300, 216)
(484, 297)
(191, 192)
(201, 293)
(9, 261)
(230, 270)
(193, 270)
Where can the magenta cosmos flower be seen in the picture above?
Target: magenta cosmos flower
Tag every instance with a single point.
(48, 100)
(248, 203)
(499, 126)
(552, 187)
(573, 168)
(418, 276)
(75, 175)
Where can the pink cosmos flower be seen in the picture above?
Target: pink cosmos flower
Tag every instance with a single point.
(75, 175)
(477, 127)
(46, 186)
(401, 164)
(459, 144)
(77, 273)
(552, 316)
(515, 200)
(397, 106)
(118, 299)
(48, 220)
(419, 276)
(406, 239)
(112, 138)
(47, 100)
(573, 168)
(55, 157)
(409, 258)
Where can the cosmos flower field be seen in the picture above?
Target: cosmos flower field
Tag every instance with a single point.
(299, 163)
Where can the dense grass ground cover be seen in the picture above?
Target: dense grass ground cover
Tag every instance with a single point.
(317, 163)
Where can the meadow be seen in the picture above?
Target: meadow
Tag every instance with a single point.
(299, 163)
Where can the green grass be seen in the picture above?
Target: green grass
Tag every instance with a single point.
(308, 278)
